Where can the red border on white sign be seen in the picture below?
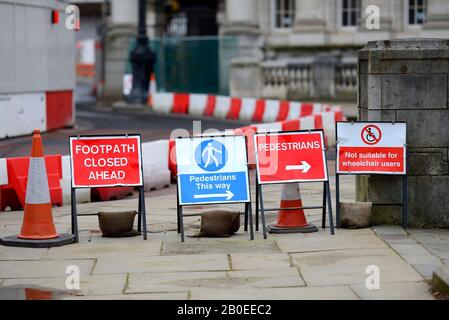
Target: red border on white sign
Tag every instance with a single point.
(393, 137)
(107, 137)
(301, 132)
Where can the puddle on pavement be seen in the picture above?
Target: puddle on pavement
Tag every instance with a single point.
(34, 293)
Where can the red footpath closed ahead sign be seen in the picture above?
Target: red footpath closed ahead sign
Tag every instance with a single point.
(371, 147)
(106, 161)
(290, 156)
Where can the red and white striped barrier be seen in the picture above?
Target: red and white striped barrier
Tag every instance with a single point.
(233, 108)
(159, 159)
(163, 102)
(201, 105)
(3, 172)
(46, 111)
(82, 195)
(155, 167)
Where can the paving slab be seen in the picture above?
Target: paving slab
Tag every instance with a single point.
(97, 238)
(182, 263)
(268, 278)
(398, 238)
(421, 259)
(356, 274)
(349, 267)
(176, 281)
(409, 249)
(425, 269)
(388, 230)
(243, 261)
(238, 243)
(440, 250)
(395, 291)
(346, 257)
(321, 241)
(114, 249)
(42, 268)
(98, 284)
(145, 296)
(300, 293)
(17, 253)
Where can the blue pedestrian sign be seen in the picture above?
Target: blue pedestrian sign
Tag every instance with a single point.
(212, 169)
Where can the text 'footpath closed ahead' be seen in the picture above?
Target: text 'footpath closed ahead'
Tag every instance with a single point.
(105, 161)
(375, 147)
(212, 170)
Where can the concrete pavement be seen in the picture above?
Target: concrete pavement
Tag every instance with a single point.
(288, 266)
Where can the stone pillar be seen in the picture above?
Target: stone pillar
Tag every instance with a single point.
(122, 27)
(323, 72)
(242, 21)
(437, 18)
(246, 78)
(124, 12)
(407, 80)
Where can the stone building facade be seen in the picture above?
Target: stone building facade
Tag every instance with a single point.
(300, 48)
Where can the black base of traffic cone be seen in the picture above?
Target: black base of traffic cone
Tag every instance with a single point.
(272, 228)
(14, 241)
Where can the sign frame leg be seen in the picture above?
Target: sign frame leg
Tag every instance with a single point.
(139, 221)
(143, 214)
(323, 218)
(246, 217)
(74, 217)
(181, 222)
(262, 212)
(329, 204)
(250, 218)
(177, 212)
(257, 205)
(404, 202)
(337, 199)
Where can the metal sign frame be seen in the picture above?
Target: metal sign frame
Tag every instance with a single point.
(327, 202)
(179, 206)
(141, 212)
(404, 204)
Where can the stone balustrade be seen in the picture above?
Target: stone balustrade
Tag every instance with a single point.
(296, 79)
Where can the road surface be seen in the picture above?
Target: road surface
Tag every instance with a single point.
(92, 119)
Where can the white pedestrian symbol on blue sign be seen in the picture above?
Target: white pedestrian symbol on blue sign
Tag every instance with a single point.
(211, 155)
(212, 170)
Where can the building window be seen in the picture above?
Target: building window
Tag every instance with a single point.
(417, 10)
(177, 26)
(284, 13)
(350, 13)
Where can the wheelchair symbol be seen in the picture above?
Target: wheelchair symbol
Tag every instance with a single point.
(371, 134)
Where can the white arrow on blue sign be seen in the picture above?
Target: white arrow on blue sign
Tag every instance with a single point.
(212, 169)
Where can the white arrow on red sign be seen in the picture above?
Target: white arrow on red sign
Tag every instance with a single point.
(304, 166)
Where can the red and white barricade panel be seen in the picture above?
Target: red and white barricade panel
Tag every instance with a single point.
(247, 109)
(163, 102)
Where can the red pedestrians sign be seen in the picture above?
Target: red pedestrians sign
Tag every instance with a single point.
(105, 161)
(290, 156)
(377, 147)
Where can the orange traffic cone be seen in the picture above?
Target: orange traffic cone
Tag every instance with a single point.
(38, 219)
(291, 220)
(152, 89)
(38, 228)
(36, 294)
